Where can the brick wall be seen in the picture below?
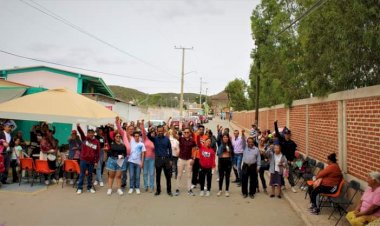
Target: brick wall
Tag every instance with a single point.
(347, 123)
(363, 135)
(323, 130)
(298, 126)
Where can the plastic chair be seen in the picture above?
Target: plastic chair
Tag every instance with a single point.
(328, 197)
(42, 167)
(343, 202)
(70, 166)
(27, 165)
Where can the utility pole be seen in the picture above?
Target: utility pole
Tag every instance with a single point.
(257, 93)
(182, 78)
(200, 94)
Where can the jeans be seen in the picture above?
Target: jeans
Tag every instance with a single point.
(224, 168)
(99, 170)
(238, 158)
(262, 178)
(85, 166)
(203, 174)
(163, 163)
(149, 173)
(249, 173)
(134, 175)
(124, 175)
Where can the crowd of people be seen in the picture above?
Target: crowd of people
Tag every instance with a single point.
(126, 149)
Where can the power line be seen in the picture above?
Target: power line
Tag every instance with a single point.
(85, 69)
(315, 6)
(75, 27)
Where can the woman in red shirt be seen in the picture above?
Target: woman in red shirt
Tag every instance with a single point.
(330, 178)
(207, 163)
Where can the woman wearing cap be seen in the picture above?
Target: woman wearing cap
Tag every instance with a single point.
(329, 178)
(368, 209)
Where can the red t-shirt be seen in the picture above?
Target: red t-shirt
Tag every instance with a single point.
(207, 158)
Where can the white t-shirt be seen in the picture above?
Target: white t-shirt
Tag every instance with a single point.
(137, 148)
(17, 150)
(277, 160)
(175, 146)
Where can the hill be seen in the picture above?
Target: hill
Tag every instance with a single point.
(158, 99)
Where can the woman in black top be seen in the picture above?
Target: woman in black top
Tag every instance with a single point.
(116, 163)
(225, 154)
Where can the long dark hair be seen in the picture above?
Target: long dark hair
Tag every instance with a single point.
(229, 143)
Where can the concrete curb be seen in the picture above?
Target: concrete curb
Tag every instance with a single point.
(291, 202)
(297, 210)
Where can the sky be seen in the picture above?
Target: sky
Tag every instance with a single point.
(133, 39)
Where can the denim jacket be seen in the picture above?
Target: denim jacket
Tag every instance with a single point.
(221, 147)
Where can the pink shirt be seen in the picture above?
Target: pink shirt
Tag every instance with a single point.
(370, 198)
(149, 147)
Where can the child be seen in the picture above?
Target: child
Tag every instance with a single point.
(15, 158)
(278, 164)
(207, 163)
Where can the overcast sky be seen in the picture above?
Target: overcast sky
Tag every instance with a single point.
(218, 30)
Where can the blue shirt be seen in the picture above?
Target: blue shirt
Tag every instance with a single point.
(162, 146)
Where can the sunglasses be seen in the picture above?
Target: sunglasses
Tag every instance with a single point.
(117, 136)
(186, 132)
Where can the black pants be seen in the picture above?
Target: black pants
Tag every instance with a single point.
(203, 174)
(14, 170)
(163, 163)
(224, 168)
(196, 167)
(175, 168)
(313, 193)
(262, 177)
(249, 173)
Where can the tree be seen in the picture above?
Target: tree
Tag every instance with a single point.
(236, 94)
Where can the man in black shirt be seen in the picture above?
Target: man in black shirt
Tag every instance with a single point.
(288, 148)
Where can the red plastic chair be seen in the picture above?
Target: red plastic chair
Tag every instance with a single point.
(70, 166)
(42, 168)
(27, 165)
(328, 197)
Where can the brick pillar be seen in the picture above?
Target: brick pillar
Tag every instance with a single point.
(307, 130)
(342, 136)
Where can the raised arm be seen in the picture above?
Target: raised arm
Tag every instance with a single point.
(123, 135)
(143, 131)
(278, 135)
(81, 133)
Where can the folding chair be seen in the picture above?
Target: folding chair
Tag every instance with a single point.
(328, 197)
(320, 166)
(42, 168)
(27, 165)
(343, 202)
(309, 171)
(70, 166)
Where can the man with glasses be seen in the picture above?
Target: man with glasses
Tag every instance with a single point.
(163, 151)
(186, 147)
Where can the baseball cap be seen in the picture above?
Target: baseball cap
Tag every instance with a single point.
(7, 124)
(287, 131)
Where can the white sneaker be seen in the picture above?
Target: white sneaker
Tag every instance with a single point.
(138, 191)
(208, 193)
(202, 193)
(79, 191)
(47, 182)
(192, 186)
(219, 193)
(109, 191)
(294, 189)
(54, 181)
(95, 183)
(71, 182)
(120, 192)
(60, 180)
(91, 190)
(130, 191)
(227, 194)
(101, 184)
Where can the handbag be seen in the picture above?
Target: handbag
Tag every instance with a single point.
(317, 183)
